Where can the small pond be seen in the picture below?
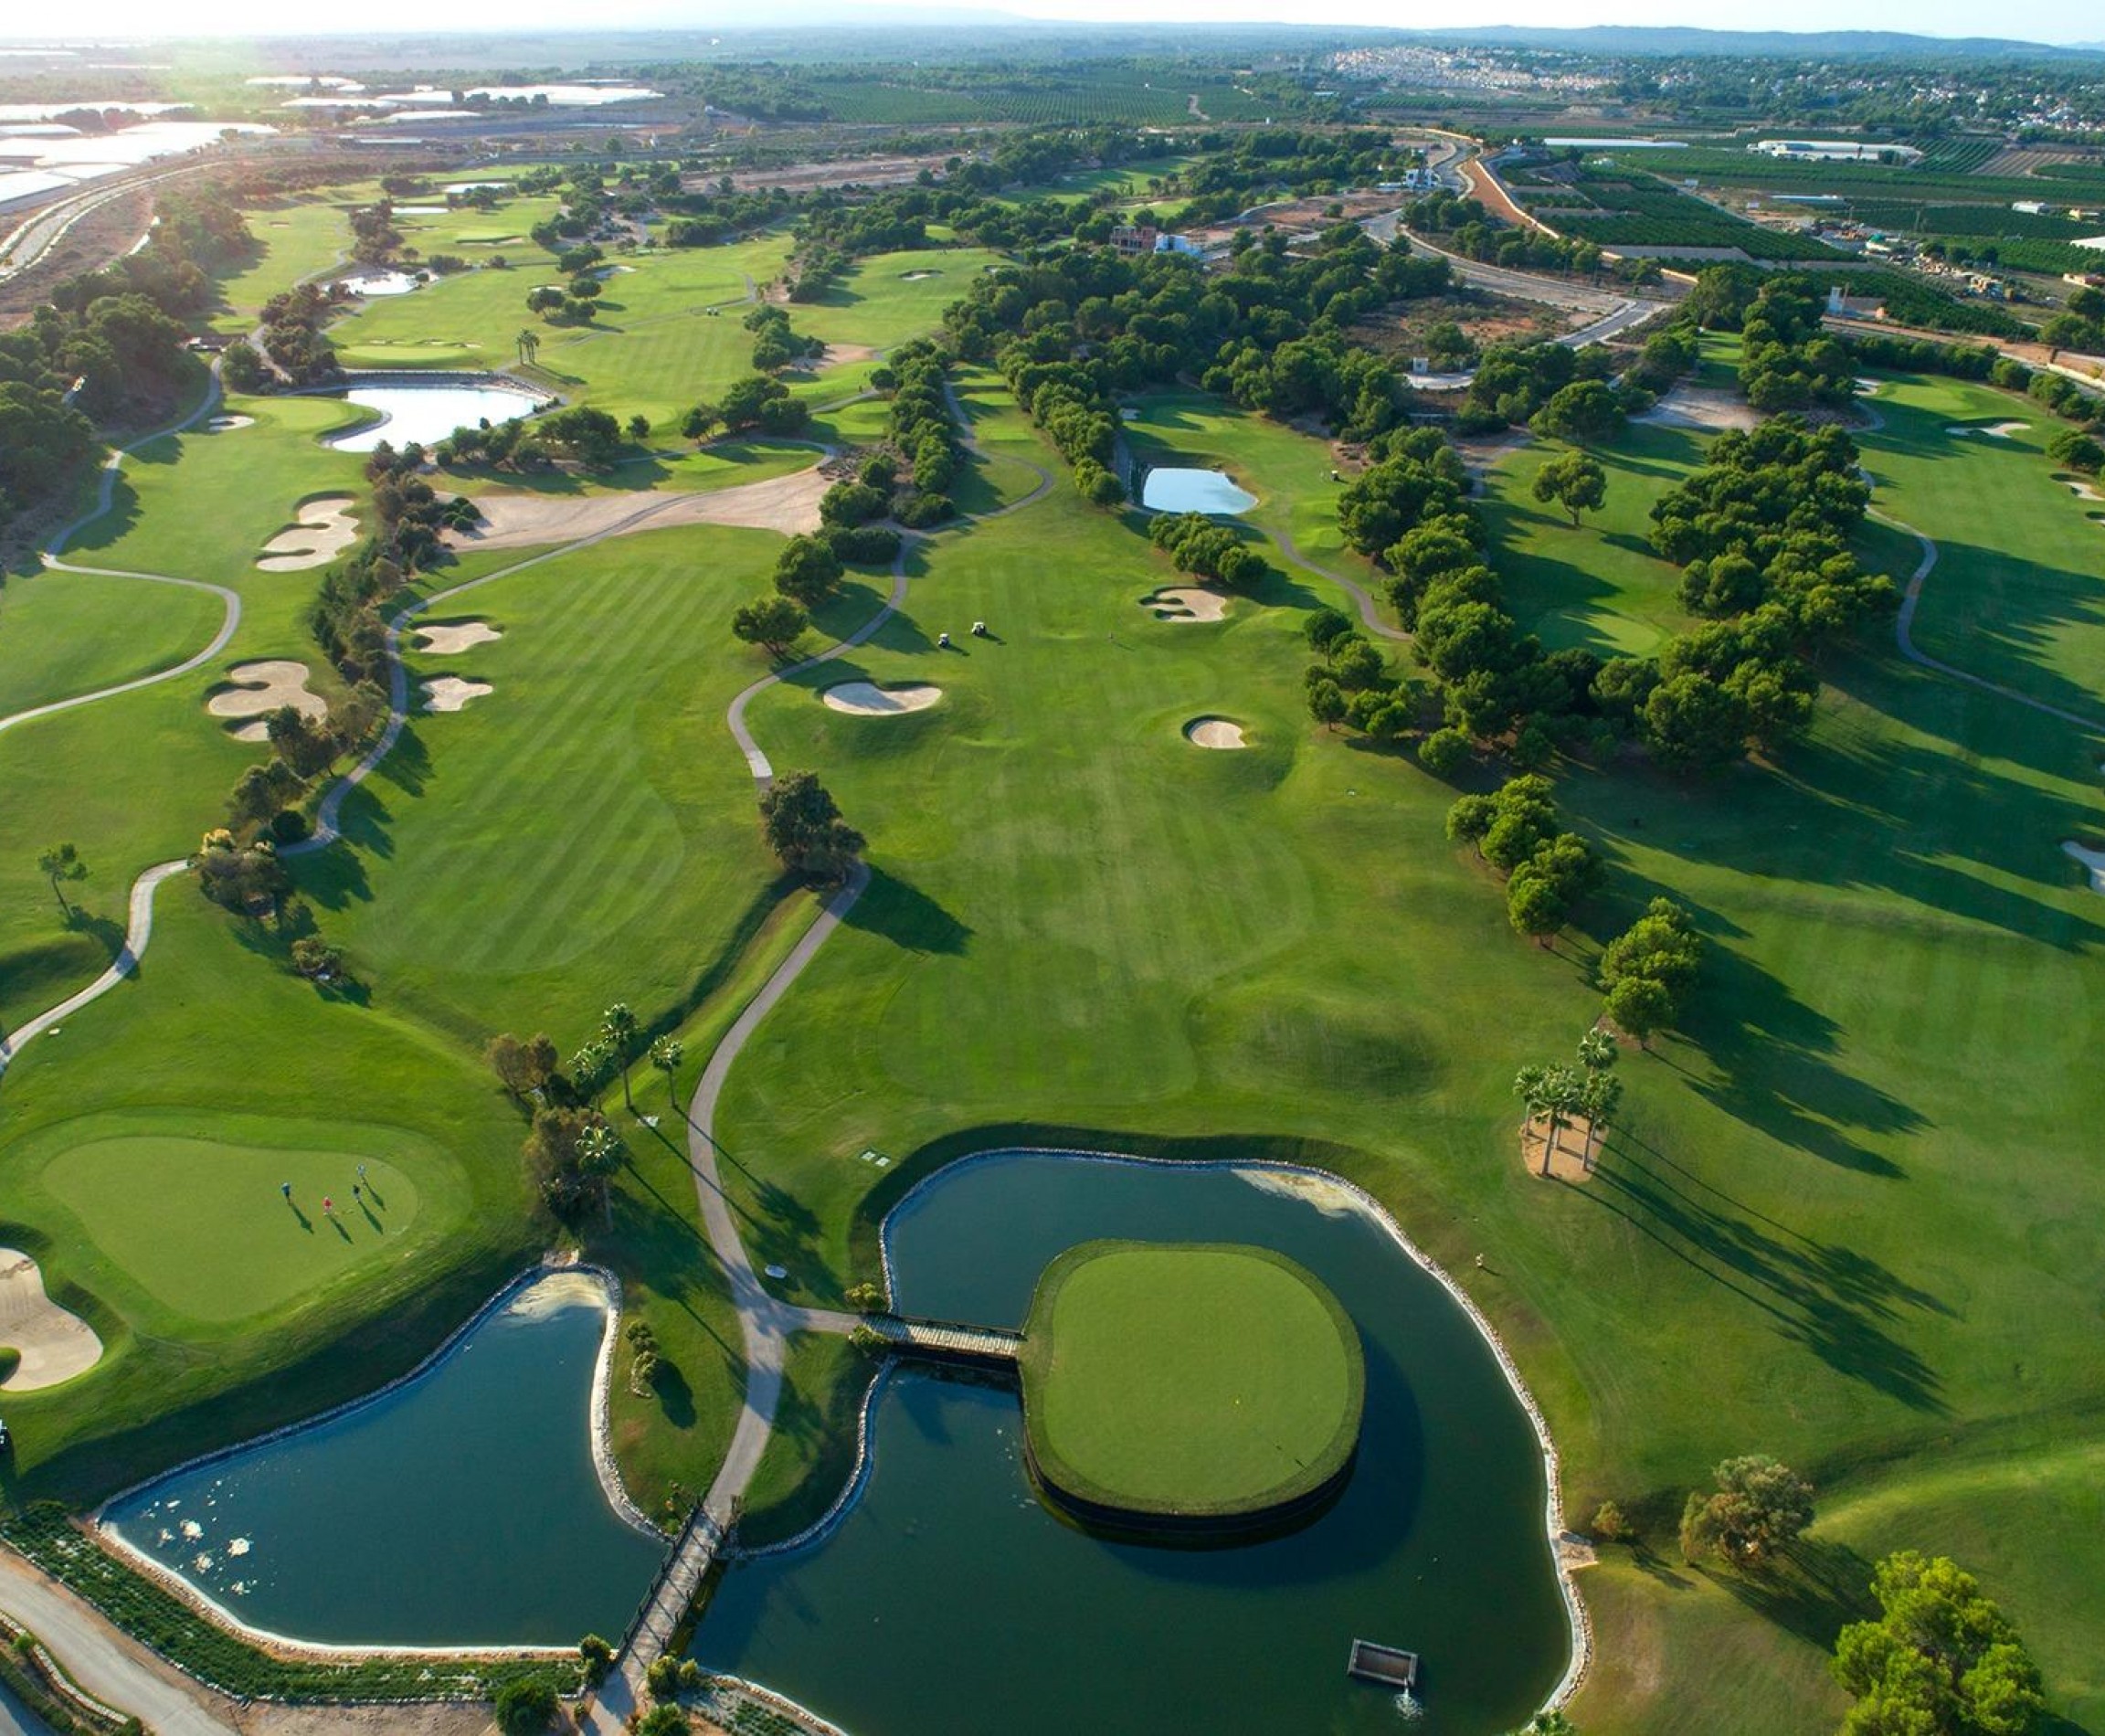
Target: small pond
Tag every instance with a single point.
(461, 1509)
(949, 1593)
(1171, 489)
(428, 413)
(370, 284)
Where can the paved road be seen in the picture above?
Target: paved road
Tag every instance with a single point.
(27, 243)
(110, 1665)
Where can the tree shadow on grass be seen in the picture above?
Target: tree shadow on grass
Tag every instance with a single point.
(1813, 1590)
(907, 916)
(1839, 1304)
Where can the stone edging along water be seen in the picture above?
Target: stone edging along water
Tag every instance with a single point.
(603, 1465)
(1580, 1624)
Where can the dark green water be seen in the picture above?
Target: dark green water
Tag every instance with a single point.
(949, 1602)
(461, 1509)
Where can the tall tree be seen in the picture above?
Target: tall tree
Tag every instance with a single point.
(617, 1025)
(666, 1054)
(1574, 482)
(804, 827)
(1942, 1657)
(1758, 1506)
(62, 863)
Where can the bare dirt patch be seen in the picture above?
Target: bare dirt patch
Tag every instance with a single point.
(866, 699)
(1214, 731)
(443, 639)
(450, 693)
(1568, 1161)
(841, 354)
(259, 689)
(1185, 603)
(322, 530)
(53, 1344)
(1702, 408)
(785, 504)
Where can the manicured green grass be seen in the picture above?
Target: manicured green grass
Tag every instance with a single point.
(1081, 926)
(67, 633)
(583, 834)
(874, 302)
(1188, 1379)
(198, 1219)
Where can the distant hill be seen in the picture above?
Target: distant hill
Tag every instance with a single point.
(1674, 39)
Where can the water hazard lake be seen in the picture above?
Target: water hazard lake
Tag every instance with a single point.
(1172, 489)
(427, 414)
(950, 1601)
(461, 1509)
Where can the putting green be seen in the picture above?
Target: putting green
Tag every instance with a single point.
(201, 1223)
(1197, 1381)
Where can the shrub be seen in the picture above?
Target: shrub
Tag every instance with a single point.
(662, 1679)
(864, 545)
(526, 1706)
(918, 512)
(288, 826)
(597, 1658)
(1443, 752)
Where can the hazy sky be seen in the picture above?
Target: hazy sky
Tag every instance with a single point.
(2033, 20)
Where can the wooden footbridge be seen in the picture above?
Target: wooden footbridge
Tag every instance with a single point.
(946, 1340)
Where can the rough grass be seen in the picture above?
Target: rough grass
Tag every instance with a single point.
(1188, 1379)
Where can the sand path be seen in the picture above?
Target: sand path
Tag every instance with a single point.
(55, 1344)
(785, 504)
(324, 529)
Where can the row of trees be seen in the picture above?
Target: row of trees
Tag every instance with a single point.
(1556, 1095)
(1548, 872)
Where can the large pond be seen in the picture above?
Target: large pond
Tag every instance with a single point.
(1172, 489)
(461, 1509)
(428, 414)
(948, 1601)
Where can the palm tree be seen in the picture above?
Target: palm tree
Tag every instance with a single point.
(1562, 1092)
(599, 1154)
(529, 345)
(1530, 1085)
(666, 1054)
(1597, 1050)
(617, 1025)
(1600, 1097)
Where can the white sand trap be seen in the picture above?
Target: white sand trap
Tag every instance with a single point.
(1185, 603)
(323, 531)
(1702, 408)
(53, 1345)
(260, 689)
(2084, 492)
(785, 504)
(449, 693)
(1864, 387)
(443, 640)
(918, 277)
(1995, 431)
(866, 699)
(2094, 860)
(227, 424)
(1214, 731)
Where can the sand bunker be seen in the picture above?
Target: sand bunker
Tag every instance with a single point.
(227, 424)
(917, 277)
(785, 504)
(866, 699)
(1864, 387)
(1699, 408)
(449, 693)
(2083, 490)
(53, 1345)
(2094, 860)
(1185, 603)
(443, 640)
(1214, 731)
(260, 689)
(1995, 431)
(841, 354)
(323, 531)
